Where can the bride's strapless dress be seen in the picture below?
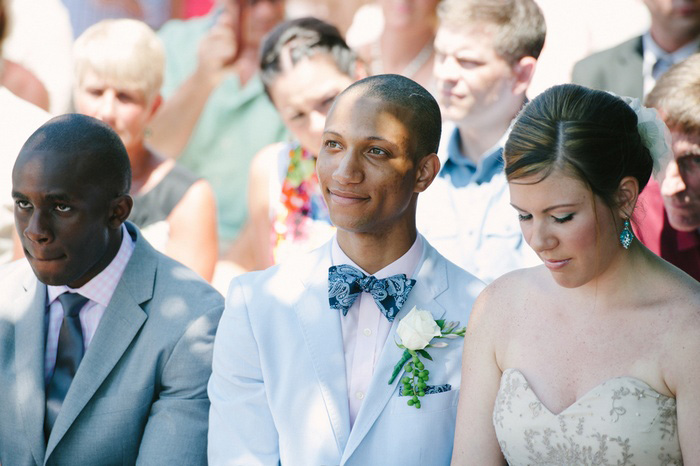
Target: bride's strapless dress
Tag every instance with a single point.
(622, 421)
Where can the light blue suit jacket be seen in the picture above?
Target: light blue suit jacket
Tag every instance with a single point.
(139, 396)
(278, 387)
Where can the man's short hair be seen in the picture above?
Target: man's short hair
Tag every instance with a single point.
(85, 136)
(124, 52)
(425, 122)
(519, 24)
(677, 96)
(297, 39)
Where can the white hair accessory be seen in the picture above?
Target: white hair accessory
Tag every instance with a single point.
(654, 133)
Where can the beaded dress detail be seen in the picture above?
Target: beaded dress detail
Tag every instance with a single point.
(622, 421)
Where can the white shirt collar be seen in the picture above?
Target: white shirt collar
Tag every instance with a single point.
(406, 264)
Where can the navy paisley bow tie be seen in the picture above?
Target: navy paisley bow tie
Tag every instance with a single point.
(345, 283)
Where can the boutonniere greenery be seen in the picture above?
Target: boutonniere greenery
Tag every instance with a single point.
(417, 331)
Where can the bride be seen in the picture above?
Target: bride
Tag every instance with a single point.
(594, 356)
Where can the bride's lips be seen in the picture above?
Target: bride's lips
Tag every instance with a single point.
(553, 264)
(345, 198)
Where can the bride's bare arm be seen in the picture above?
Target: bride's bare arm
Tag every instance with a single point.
(685, 382)
(475, 438)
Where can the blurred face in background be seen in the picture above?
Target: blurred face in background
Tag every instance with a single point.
(679, 16)
(304, 107)
(255, 18)
(404, 13)
(474, 84)
(681, 185)
(126, 110)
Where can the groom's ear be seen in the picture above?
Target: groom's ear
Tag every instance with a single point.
(428, 168)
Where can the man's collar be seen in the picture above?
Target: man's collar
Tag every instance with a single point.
(652, 52)
(688, 240)
(406, 264)
(490, 161)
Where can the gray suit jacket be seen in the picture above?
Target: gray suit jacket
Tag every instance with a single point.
(618, 69)
(139, 396)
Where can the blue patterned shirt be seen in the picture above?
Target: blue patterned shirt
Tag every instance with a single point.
(466, 214)
(461, 170)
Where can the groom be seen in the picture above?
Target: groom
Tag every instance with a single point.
(301, 377)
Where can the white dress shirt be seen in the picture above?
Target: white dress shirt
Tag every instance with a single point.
(364, 328)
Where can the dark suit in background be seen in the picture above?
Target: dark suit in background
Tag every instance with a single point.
(618, 69)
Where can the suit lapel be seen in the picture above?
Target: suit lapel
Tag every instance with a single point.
(431, 281)
(30, 341)
(322, 333)
(119, 325)
(630, 73)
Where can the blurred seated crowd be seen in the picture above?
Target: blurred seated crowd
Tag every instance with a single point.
(221, 106)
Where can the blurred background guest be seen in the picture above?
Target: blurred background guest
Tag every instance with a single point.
(486, 56)
(194, 8)
(15, 77)
(668, 222)
(405, 45)
(40, 38)
(85, 13)
(217, 116)
(18, 120)
(119, 71)
(339, 13)
(287, 212)
(633, 67)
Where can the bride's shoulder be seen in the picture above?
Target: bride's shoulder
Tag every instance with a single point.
(520, 282)
(505, 297)
(679, 310)
(674, 289)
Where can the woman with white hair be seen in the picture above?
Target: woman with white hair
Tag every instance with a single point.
(119, 71)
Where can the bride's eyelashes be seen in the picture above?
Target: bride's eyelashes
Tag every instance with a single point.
(563, 219)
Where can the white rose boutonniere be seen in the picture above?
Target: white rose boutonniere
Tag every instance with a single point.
(417, 330)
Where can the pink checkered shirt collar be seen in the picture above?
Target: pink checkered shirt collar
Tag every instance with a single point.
(101, 288)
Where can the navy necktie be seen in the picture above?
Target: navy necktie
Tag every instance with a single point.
(345, 283)
(68, 356)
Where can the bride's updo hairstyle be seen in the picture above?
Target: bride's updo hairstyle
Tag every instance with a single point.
(591, 135)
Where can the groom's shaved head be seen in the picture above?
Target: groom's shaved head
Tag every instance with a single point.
(421, 112)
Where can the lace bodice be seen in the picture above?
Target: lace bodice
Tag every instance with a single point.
(622, 421)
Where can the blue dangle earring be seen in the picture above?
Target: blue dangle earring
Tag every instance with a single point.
(626, 235)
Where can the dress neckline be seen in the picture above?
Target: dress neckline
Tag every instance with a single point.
(638, 383)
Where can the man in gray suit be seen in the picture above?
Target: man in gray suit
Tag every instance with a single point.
(633, 67)
(105, 344)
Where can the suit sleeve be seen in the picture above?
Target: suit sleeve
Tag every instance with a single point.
(176, 430)
(241, 427)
